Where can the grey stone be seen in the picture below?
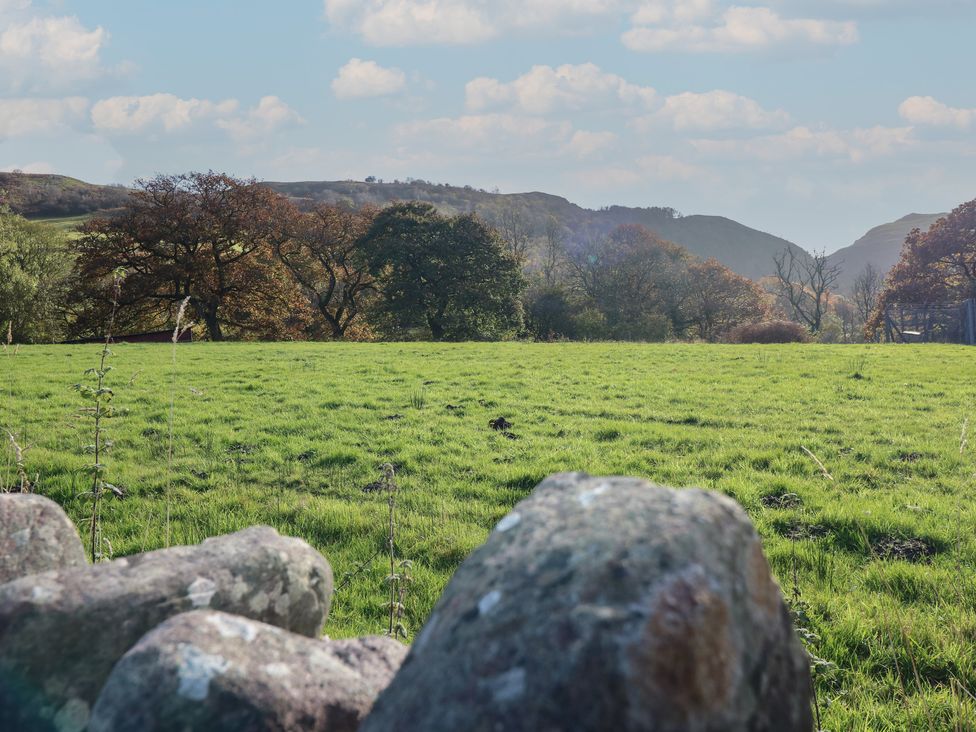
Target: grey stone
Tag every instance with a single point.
(607, 604)
(211, 671)
(61, 632)
(35, 536)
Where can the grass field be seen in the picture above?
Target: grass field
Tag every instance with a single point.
(879, 561)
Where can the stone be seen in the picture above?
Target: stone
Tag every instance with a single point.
(207, 670)
(61, 632)
(36, 536)
(607, 604)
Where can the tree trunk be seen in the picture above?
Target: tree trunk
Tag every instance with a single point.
(213, 325)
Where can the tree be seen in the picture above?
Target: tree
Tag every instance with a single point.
(205, 237)
(450, 275)
(637, 280)
(35, 262)
(864, 293)
(516, 232)
(721, 300)
(323, 251)
(805, 283)
(938, 266)
(554, 251)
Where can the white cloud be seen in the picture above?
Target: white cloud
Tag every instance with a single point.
(157, 112)
(544, 89)
(22, 117)
(458, 22)
(585, 144)
(46, 49)
(665, 26)
(716, 110)
(669, 168)
(855, 145)
(492, 133)
(169, 114)
(359, 79)
(929, 112)
(269, 115)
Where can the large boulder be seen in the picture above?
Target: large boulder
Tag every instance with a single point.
(211, 671)
(607, 603)
(35, 536)
(62, 632)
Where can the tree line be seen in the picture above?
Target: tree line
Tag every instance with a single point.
(247, 263)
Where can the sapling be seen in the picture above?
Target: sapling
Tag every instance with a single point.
(100, 396)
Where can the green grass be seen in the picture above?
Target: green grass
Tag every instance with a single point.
(289, 434)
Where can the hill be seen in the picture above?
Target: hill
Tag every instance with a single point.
(57, 196)
(745, 250)
(880, 247)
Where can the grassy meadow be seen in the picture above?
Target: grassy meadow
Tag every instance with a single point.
(878, 562)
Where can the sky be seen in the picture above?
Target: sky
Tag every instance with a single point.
(814, 120)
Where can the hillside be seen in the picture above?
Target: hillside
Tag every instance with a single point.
(747, 251)
(57, 196)
(743, 249)
(881, 247)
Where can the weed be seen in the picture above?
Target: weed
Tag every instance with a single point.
(418, 399)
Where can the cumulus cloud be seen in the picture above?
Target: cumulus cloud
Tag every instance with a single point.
(929, 112)
(359, 79)
(270, 114)
(714, 111)
(544, 89)
(495, 133)
(39, 49)
(855, 145)
(21, 117)
(157, 112)
(458, 22)
(702, 27)
(169, 114)
(585, 144)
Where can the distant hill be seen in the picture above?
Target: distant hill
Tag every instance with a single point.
(881, 247)
(57, 196)
(746, 251)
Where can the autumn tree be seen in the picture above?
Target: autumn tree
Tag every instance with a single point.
(937, 266)
(805, 283)
(205, 237)
(636, 280)
(720, 300)
(450, 275)
(323, 251)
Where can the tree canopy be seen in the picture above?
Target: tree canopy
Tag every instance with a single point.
(450, 275)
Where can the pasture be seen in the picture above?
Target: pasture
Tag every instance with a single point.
(877, 560)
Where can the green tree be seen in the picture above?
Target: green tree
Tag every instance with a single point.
(35, 262)
(451, 276)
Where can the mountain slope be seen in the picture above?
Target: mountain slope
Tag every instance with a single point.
(745, 250)
(57, 196)
(741, 248)
(880, 247)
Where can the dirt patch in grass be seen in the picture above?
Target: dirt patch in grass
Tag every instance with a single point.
(914, 550)
(781, 501)
(800, 530)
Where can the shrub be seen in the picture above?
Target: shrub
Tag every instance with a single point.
(773, 331)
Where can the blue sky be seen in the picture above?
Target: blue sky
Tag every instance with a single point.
(810, 119)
